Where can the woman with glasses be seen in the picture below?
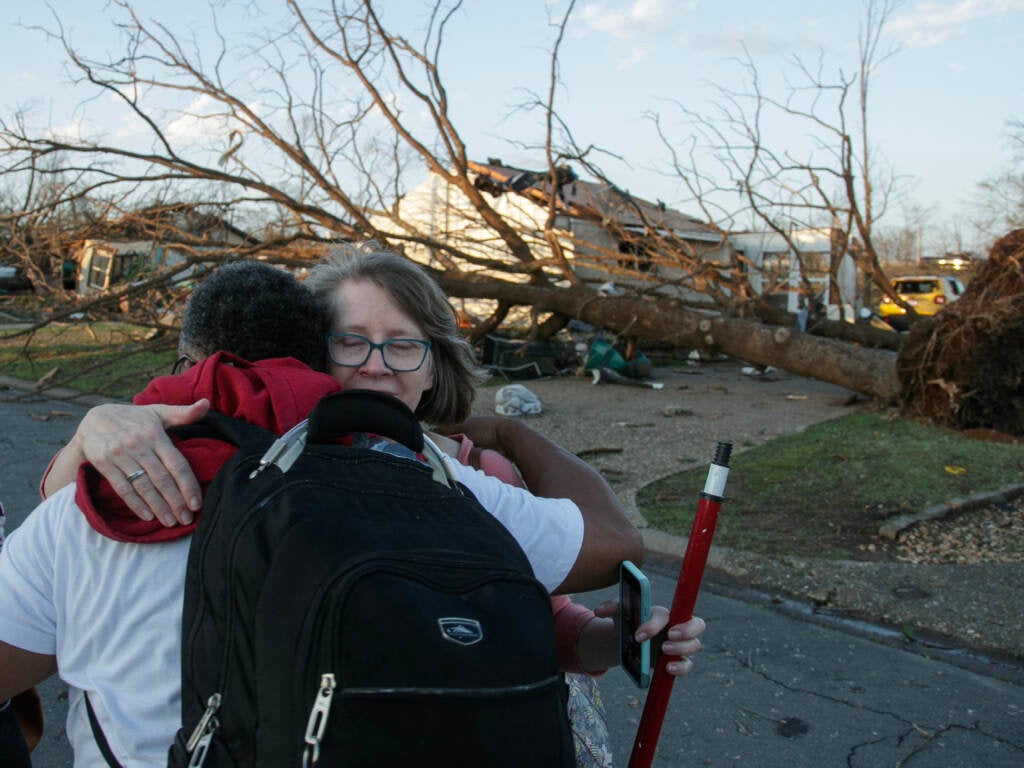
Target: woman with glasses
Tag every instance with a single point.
(390, 329)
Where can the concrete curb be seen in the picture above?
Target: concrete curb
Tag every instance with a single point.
(893, 528)
(55, 393)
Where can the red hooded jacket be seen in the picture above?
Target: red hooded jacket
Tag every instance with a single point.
(274, 394)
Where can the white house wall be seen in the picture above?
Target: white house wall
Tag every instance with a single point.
(755, 246)
(441, 211)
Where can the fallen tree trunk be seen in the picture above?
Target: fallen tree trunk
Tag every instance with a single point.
(870, 372)
(857, 333)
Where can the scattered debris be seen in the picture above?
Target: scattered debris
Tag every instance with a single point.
(46, 378)
(50, 415)
(608, 376)
(518, 360)
(676, 410)
(516, 400)
(989, 436)
(758, 372)
(588, 452)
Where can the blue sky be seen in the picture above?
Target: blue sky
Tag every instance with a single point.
(939, 106)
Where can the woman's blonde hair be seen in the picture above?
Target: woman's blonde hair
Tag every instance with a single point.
(421, 298)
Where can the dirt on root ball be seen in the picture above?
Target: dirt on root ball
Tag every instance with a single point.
(964, 367)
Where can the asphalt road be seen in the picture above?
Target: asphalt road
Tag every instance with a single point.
(776, 686)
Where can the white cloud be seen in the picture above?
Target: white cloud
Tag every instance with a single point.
(639, 19)
(73, 131)
(757, 42)
(130, 127)
(639, 16)
(929, 24)
(201, 122)
(638, 56)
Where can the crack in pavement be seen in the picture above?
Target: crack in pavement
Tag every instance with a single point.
(928, 735)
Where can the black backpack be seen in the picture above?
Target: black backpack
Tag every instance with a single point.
(345, 608)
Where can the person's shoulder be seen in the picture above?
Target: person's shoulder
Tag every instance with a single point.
(52, 516)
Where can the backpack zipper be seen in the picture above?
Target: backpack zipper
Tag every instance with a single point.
(317, 723)
(199, 742)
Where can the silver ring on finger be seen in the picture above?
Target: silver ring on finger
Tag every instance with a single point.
(131, 478)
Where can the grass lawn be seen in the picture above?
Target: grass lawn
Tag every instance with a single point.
(825, 491)
(109, 358)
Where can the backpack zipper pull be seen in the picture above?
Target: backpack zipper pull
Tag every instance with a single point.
(202, 748)
(317, 723)
(199, 741)
(285, 450)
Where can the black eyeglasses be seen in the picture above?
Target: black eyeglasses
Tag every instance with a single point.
(182, 364)
(351, 350)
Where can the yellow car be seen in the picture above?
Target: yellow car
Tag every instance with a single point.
(926, 294)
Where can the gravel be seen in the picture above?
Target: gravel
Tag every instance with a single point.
(992, 534)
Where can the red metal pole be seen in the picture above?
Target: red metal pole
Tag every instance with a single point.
(694, 560)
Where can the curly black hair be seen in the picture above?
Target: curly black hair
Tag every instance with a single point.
(254, 311)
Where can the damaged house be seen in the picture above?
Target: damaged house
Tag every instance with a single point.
(606, 234)
(153, 238)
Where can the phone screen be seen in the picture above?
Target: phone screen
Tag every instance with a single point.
(634, 610)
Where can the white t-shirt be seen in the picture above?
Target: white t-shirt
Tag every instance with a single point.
(550, 531)
(111, 611)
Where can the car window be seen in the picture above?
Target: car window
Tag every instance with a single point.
(915, 286)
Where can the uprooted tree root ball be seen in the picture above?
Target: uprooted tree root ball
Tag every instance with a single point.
(965, 367)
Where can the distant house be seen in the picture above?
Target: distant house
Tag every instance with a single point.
(773, 261)
(603, 230)
(153, 240)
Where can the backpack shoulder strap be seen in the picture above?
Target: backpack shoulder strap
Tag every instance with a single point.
(217, 426)
(97, 733)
